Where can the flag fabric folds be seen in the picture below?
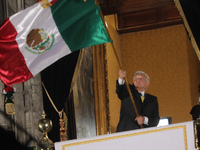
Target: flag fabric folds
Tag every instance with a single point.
(190, 14)
(35, 38)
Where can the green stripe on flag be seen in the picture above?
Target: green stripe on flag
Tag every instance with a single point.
(79, 23)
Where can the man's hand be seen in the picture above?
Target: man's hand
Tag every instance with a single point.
(140, 120)
(122, 74)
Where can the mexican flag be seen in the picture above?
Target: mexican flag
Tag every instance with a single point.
(35, 38)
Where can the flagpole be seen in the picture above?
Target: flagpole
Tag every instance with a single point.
(120, 65)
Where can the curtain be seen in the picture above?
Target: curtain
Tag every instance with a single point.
(57, 80)
(190, 13)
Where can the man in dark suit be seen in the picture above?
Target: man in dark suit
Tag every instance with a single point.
(195, 112)
(146, 104)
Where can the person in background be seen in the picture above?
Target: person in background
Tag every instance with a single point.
(146, 104)
(195, 112)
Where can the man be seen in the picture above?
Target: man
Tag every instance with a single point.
(148, 114)
(195, 112)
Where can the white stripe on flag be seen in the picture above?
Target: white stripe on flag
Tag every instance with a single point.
(37, 17)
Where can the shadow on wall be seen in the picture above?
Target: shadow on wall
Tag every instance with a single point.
(8, 139)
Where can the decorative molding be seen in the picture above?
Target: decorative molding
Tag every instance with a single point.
(141, 15)
(101, 90)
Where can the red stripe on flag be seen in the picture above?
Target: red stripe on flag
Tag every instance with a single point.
(13, 68)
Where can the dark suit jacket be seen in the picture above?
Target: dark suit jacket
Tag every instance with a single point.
(148, 108)
(195, 112)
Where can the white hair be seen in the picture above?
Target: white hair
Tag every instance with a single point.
(141, 72)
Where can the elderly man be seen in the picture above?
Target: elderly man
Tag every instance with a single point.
(146, 104)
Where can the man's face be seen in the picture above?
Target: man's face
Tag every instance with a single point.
(140, 82)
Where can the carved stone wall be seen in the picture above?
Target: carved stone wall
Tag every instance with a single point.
(28, 111)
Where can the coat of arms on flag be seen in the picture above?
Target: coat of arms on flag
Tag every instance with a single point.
(38, 41)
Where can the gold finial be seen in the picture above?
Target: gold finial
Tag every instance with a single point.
(45, 3)
(43, 114)
(45, 125)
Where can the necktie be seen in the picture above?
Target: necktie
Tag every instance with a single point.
(142, 97)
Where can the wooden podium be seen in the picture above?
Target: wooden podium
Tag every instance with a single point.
(171, 137)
